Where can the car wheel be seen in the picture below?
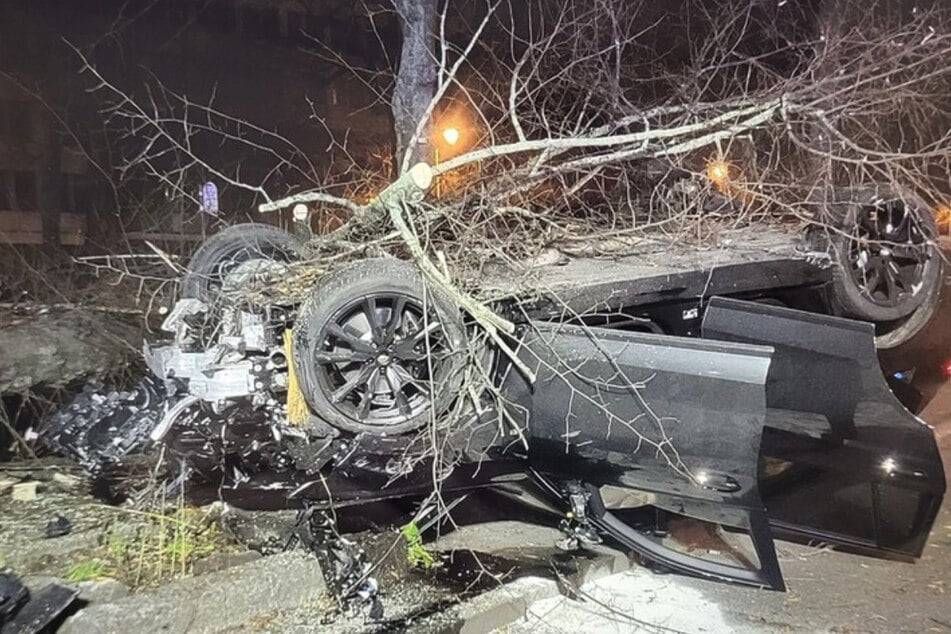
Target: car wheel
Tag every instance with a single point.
(886, 265)
(241, 245)
(894, 334)
(377, 350)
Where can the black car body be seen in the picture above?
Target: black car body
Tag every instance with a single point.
(715, 385)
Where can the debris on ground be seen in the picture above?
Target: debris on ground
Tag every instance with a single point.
(26, 612)
(24, 491)
(66, 481)
(12, 595)
(99, 427)
(347, 570)
(58, 527)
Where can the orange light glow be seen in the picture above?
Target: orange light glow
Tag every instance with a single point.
(718, 172)
(451, 135)
(942, 216)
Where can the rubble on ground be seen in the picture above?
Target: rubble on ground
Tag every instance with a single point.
(52, 348)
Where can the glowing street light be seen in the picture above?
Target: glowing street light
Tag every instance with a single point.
(451, 135)
(718, 172)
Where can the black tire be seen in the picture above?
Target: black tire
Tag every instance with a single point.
(892, 335)
(886, 265)
(232, 246)
(413, 363)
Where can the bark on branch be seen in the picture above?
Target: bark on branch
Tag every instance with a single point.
(407, 192)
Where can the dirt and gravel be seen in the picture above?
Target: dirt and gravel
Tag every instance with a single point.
(52, 347)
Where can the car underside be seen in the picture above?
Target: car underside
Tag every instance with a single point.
(734, 385)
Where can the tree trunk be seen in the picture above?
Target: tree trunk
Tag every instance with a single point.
(415, 78)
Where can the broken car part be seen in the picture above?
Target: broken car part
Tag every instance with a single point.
(838, 431)
(675, 417)
(577, 528)
(25, 612)
(58, 527)
(13, 594)
(344, 564)
(100, 428)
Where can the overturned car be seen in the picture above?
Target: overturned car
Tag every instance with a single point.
(740, 386)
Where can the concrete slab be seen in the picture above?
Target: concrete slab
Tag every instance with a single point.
(24, 491)
(829, 591)
(524, 541)
(209, 603)
(634, 601)
(501, 607)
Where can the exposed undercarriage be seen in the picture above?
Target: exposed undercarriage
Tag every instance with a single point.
(728, 394)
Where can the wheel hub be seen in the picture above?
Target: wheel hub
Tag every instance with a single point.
(889, 251)
(379, 359)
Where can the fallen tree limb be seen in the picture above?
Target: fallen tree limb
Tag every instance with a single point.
(410, 189)
(311, 197)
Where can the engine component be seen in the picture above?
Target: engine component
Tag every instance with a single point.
(578, 529)
(172, 414)
(247, 358)
(99, 429)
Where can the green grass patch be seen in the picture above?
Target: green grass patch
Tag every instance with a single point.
(86, 571)
(144, 549)
(416, 553)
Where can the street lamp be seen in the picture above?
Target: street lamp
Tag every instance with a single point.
(451, 137)
(718, 171)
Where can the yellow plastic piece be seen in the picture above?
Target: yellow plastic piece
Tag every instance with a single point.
(297, 410)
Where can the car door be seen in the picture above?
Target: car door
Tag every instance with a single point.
(775, 421)
(677, 421)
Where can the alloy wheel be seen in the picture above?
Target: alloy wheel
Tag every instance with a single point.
(380, 357)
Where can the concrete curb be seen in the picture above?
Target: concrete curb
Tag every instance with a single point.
(208, 603)
(510, 603)
(500, 607)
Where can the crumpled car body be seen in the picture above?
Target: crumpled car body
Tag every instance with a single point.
(711, 399)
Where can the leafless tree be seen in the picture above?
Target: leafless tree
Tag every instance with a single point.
(595, 125)
(415, 83)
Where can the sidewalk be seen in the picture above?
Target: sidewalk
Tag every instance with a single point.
(829, 591)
